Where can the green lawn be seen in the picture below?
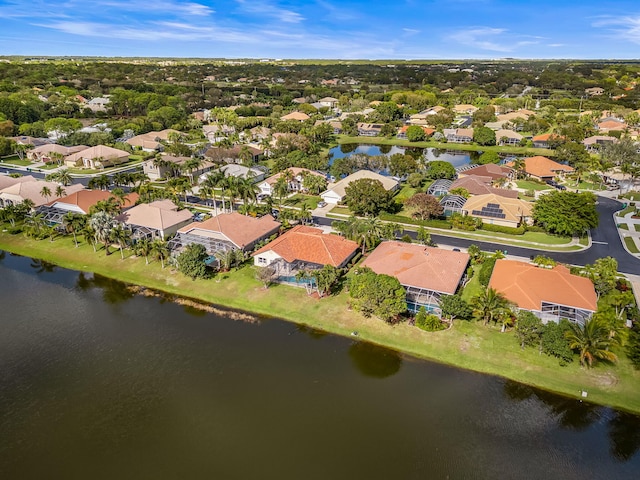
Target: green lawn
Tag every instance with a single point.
(633, 196)
(529, 185)
(467, 345)
(629, 209)
(623, 226)
(636, 227)
(341, 210)
(49, 166)
(472, 288)
(631, 245)
(405, 192)
(299, 199)
(17, 161)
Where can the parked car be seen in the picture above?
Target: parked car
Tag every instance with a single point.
(322, 204)
(552, 183)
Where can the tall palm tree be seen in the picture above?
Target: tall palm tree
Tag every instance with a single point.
(191, 166)
(35, 225)
(281, 189)
(160, 250)
(57, 157)
(89, 235)
(73, 222)
(489, 306)
(143, 247)
(232, 190)
(46, 192)
(103, 223)
(60, 191)
(248, 191)
(519, 165)
(314, 183)
(120, 196)
(592, 340)
(179, 186)
(64, 177)
(122, 236)
(215, 180)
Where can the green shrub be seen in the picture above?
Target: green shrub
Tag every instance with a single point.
(535, 228)
(501, 229)
(434, 222)
(428, 322)
(486, 270)
(554, 342)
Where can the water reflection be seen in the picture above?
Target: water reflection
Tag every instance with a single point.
(311, 332)
(41, 266)
(624, 435)
(113, 291)
(570, 413)
(374, 361)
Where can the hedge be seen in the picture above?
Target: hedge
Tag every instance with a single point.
(500, 229)
(434, 223)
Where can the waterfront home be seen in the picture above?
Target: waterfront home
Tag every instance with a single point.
(426, 273)
(46, 153)
(157, 219)
(369, 129)
(336, 192)
(498, 210)
(80, 202)
(402, 132)
(550, 294)
(508, 137)
(99, 156)
(544, 140)
(226, 231)
(33, 190)
(27, 140)
(491, 170)
(304, 248)
(295, 180)
(543, 168)
(478, 185)
(458, 135)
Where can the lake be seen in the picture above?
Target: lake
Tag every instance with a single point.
(457, 158)
(96, 382)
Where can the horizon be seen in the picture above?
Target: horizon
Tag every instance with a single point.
(356, 30)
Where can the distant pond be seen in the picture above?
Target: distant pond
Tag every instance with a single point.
(457, 158)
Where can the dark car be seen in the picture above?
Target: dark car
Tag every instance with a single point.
(552, 183)
(560, 187)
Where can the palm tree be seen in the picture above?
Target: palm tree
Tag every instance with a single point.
(60, 191)
(214, 180)
(120, 196)
(122, 236)
(103, 223)
(160, 250)
(592, 340)
(489, 306)
(143, 247)
(35, 225)
(73, 222)
(519, 166)
(233, 190)
(89, 235)
(192, 165)
(110, 206)
(314, 183)
(367, 232)
(57, 157)
(281, 189)
(64, 177)
(304, 214)
(179, 186)
(248, 190)
(45, 192)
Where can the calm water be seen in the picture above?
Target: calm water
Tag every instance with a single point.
(457, 158)
(96, 383)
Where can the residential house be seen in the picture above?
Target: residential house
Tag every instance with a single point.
(226, 231)
(336, 125)
(27, 140)
(32, 190)
(498, 210)
(508, 137)
(544, 168)
(295, 181)
(402, 132)
(543, 141)
(159, 219)
(97, 157)
(329, 102)
(98, 104)
(216, 133)
(550, 294)
(156, 170)
(477, 185)
(369, 129)
(491, 170)
(304, 248)
(152, 141)
(458, 135)
(45, 153)
(464, 109)
(594, 91)
(235, 154)
(336, 192)
(7, 181)
(80, 202)
(595, 142)
(611, 125)
(297, 116)
(426, 273)
(240, 171)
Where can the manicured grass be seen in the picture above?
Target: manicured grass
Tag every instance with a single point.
(629, 209)
(633, 196)
(623, 226)
(473, 287)
(341, 210)
(636, 227)
(299, 199)
(584, 240)
(405, 192)
(631, 245)
(467, 345)
(50, 166)
(529, 185)
(17, 161)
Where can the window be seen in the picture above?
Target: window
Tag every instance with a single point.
(262, 261)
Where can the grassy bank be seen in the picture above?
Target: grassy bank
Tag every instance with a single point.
(467, 345)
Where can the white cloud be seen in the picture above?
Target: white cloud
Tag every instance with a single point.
(624, 27)
(267, 9)
(493, 39)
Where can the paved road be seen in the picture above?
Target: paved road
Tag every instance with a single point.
(606, 242)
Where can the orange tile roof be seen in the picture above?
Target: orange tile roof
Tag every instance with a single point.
(240, 229)
(528, 286)
(309, 244)
(540, 166)
(488, 170)
(476, 185)
(419, 266)
(611, 125)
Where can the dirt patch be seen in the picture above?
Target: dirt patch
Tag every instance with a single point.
(464, 344)
(605, 380)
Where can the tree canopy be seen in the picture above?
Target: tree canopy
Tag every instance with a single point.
(367, 196)
(566, 213)
(379, 295)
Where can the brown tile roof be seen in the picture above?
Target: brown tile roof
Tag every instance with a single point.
(514, 209)
(158, 215)
(309, 244)
(419, 266)
(295, 171)
(476, 185)
(299, 116)
(540, 166)
(528, 286)
(31, 190)
(85, 199)
(611, 125)
(7, 181)
(103, 151)
(239, 229)
(489, 170)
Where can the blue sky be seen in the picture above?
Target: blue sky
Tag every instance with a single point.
(345, 29)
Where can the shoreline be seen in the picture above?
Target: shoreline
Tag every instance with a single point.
(466, 345)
